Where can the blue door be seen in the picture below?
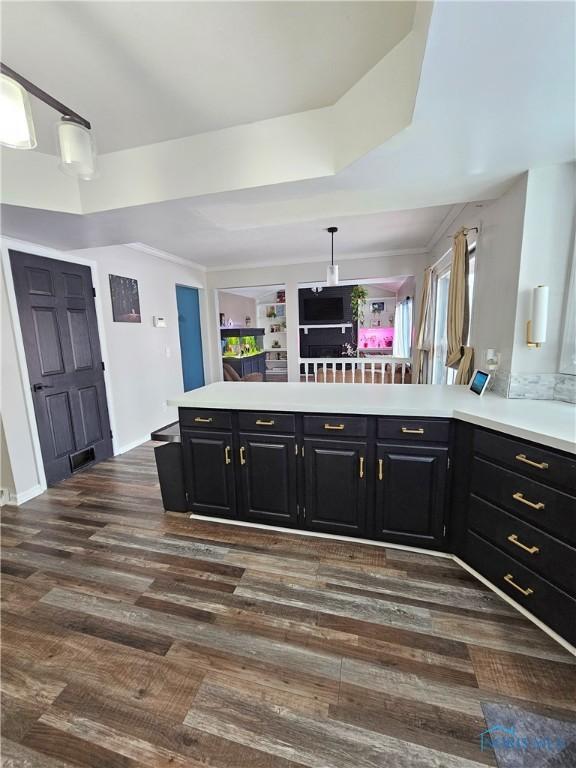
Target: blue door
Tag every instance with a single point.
(190, 337)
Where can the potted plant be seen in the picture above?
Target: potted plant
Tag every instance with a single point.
(357, 298)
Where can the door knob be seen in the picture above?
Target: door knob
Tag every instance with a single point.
(40, 387)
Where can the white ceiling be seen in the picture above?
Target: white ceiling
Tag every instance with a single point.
(496, 97)
(145, 72)
(178, 229)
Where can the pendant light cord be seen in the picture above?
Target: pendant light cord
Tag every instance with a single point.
(332, 261)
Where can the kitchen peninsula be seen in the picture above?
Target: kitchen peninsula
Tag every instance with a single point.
(489, 480)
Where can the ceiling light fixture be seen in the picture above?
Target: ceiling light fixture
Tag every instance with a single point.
(332, 271)
(77, 153)
(76, 149)
(16, 124)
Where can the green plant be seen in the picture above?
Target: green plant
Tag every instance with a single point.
(357, 298)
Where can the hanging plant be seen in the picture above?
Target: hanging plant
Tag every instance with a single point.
(357, 298)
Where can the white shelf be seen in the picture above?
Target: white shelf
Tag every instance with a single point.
(276, 349)
(342, 326)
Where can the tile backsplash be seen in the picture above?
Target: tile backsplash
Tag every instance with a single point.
(565, 388)
(535, 386)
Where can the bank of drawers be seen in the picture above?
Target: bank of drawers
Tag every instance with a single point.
(553, 606)
(522, 526)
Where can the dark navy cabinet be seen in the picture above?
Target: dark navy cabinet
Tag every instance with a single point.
(505, 506)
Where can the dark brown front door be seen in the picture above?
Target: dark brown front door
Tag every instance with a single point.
(58, 320)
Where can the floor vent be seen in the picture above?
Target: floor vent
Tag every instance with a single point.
(81, 459)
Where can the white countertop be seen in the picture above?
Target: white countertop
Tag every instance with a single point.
(548, 422)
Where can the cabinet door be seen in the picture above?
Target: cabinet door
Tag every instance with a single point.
(268, 479)
(410, 493)
(335, 482)
(209, 472)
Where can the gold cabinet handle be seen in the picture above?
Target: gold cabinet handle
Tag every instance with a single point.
(510, 579)
(203, 421)
(262, 423)
(533, 504)
(361, 467)
(242, 455)
(525, 460)
(531, 550)
(333, 426)
(407, 431)
(380, 469)
(227, 456)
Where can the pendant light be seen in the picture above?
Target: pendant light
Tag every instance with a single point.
(332, 271)
(16, 124)
(77, 156)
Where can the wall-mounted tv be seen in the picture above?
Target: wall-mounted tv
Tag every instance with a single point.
(319, 309)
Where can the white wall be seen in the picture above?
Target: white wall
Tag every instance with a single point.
(237, 308)
(526, 239)
(292, 275)
(547, 243)
(143, 363)
(498, 251)
(19, 470)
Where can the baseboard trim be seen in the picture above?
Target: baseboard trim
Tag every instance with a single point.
(320, 535)
(125, 448)
(22, 498)
(520, 608)
(446, 555)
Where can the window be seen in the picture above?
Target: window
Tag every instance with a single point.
(440, 373)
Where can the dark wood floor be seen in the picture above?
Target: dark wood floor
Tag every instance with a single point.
(131, 638)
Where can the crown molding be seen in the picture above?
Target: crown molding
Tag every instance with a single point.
(165, 256)
(445, 224)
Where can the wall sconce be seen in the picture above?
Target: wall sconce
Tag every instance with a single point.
(536, 327)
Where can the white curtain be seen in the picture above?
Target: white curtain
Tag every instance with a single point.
(402, 329)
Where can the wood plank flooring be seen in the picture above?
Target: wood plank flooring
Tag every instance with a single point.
(134, 638)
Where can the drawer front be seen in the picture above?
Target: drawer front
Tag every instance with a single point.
(544, 554)
(544, 507)
(425, 430)
(337, 426)
(205, 419)
(266, 422)
(537, 463)
(548, 603)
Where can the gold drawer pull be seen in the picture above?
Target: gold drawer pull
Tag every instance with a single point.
(531, 550)
(333, 426)
(227, 455)
(203, 421)
(534, 504)
(262, 423)
(361, 467)
(242, 455)
(380, 469)
(510, 579)
(407, 431)
(525, 460)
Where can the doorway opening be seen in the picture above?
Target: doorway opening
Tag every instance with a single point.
(358, 332)
(253, 333)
